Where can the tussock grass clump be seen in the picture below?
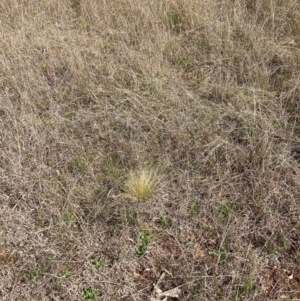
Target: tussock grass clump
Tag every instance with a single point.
(141, 184)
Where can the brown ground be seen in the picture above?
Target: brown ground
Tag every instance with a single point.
(206, 93)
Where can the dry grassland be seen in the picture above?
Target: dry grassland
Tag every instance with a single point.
(142, 139)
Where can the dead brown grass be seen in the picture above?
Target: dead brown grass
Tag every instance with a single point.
(205, 92)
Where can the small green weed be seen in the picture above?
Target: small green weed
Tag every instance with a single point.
(189, 244)
(78, 164)
(76, 6)
(174, 18)
(194, 208)
(53, 257)
(296, 129)
(246, 288)
(275, 123)
(100, 192)
(66, 273)
(84, 25)
(220, 254)
(35, 274)
(145, 238)
(291, 109)
(97, 263)
(45, 70)
(89, 294)
(141, 250)
(166, 222)
(226, 209)
(275, 243)
(113, 168)
(69, 217)
(213, 253)
(198, 79)
(70, 115)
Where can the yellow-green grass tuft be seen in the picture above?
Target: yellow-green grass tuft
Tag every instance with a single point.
(141, 184)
